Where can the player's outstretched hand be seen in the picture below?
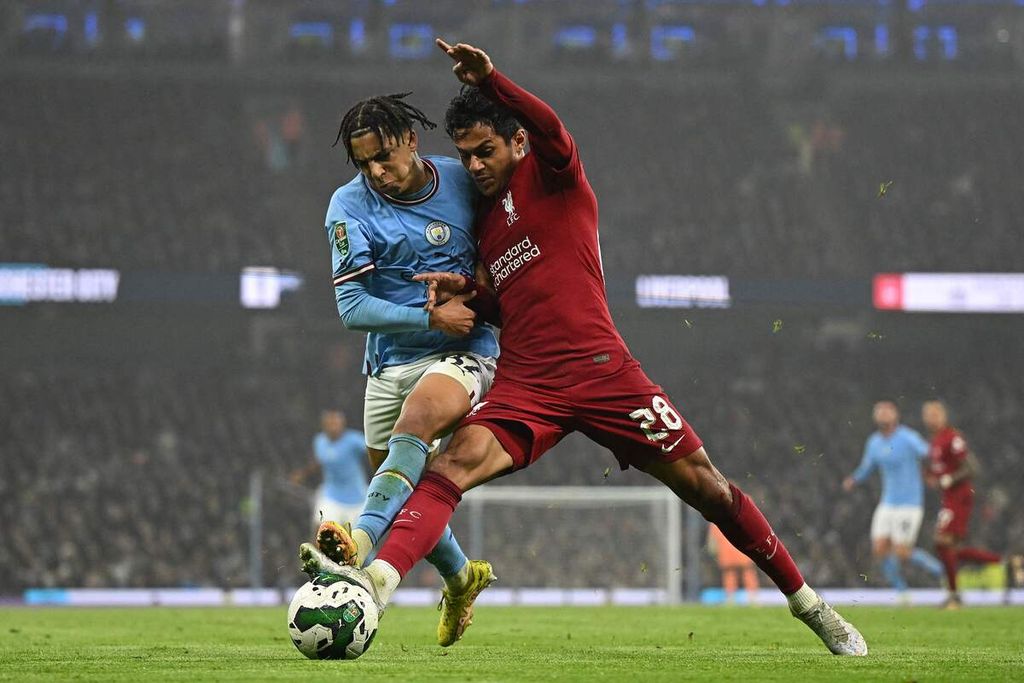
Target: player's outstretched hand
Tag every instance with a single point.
(441, 287)
(472, 65)
(453, 317)
(848, 484)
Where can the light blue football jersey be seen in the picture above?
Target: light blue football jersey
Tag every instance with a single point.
(385, 241)
(898, 458)
(342, 463)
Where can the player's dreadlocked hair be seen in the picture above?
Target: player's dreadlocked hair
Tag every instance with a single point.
(389, 116)
(471, 107)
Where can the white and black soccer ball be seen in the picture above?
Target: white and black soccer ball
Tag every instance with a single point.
(332, 617)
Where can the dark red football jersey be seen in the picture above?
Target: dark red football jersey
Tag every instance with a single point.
(948, 452)
(538, 240)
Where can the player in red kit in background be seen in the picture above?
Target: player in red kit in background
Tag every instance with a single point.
(952, 467)
(563, 366)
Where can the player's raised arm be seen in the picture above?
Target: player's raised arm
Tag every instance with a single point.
(548, 137)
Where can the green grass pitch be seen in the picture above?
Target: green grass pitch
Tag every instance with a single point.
(513, 644)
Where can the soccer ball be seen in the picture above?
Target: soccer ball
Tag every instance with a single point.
(332, 617)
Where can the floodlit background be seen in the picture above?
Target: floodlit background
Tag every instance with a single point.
(168, 334)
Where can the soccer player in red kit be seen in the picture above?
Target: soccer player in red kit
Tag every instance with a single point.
(952, 467)
(563, 365)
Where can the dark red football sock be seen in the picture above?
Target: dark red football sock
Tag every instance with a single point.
(948, 557)
(748, 530)
(418, 527)
(977, 556)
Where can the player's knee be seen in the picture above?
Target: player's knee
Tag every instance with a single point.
(457, 463)
(717, 496)
(714, 493)
(712, 496)
(698, 483)
(902, 551)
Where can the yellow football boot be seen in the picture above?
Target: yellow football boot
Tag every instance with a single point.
(456, 607)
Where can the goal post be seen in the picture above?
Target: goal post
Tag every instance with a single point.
(580, 537)
(566, 544)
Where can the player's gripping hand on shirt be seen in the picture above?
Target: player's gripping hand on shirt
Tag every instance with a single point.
(453, 317)
(472, 65)
(441, 287)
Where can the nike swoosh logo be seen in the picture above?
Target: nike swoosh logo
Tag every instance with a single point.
(774, 550)
(668, 449)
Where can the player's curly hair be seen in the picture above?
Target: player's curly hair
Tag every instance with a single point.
(471, 107)
(389, 116)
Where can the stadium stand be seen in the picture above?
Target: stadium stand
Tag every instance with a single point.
(139, 476)
(730, 182)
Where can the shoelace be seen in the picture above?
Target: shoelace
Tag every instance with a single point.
(832, 623)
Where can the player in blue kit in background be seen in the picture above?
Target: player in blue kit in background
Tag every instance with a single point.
(426, 365)
(340, 455)
(898, 453)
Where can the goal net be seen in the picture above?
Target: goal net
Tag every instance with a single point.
(575, 545)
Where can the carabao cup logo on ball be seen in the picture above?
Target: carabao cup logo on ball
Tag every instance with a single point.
(438, 233)
(331, 617)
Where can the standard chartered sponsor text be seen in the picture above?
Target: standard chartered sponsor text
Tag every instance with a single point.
(513, 259)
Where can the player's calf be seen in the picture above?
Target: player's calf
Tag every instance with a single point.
(696, 481)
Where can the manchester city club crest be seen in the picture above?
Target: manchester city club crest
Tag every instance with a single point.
(341, 238)
(438, 233)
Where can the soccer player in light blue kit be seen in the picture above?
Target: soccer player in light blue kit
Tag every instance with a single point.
(338, 453)
(897, 452)
(426, 365)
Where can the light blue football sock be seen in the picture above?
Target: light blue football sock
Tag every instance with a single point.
(926, 561)
(391, 487)
(447, 557)
(892, 572)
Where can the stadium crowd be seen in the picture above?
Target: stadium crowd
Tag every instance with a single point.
(140, 476)
(733, 180)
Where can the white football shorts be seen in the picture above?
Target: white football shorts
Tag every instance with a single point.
(325, 509)
(898, 523)
(386, 393)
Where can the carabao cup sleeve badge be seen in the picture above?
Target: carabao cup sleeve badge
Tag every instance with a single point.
(341, 238)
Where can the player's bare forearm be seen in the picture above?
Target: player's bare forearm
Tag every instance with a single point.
(548, 136)
(968, 469)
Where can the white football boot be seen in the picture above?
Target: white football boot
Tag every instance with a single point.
(839, 635)
(315, 563)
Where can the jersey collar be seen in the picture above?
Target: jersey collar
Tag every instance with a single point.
(410, 202)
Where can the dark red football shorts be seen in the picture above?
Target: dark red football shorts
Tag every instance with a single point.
(625, 412)
(955, 514)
